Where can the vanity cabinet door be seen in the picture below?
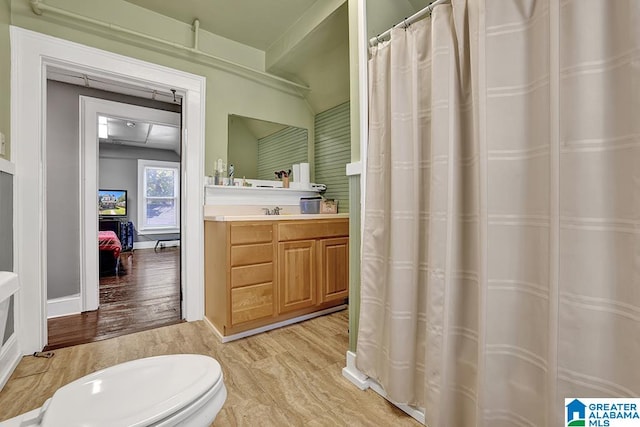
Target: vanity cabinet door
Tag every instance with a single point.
(333, 269)
(296, 275)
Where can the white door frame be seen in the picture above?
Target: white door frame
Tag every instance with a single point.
(31, 54)
(90, 108)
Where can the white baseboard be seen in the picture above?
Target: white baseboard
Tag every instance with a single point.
(363, 382)
(287, 322)
(146, 244)
(215, 330)
(9, 358)
(64, 306)
(150, 244)
(352, 373)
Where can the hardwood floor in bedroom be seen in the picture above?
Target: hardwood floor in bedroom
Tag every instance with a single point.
(145, 296)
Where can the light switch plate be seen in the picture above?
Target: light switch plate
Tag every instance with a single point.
(3, 145)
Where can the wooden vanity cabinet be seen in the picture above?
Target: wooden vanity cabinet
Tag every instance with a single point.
(313, 263)
(333, 268)
(296, 275)
(262, 272)
(239, 273)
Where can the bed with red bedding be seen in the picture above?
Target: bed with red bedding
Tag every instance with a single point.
(110, 248)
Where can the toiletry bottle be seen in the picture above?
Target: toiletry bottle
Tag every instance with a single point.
(231, 170)
(218, 173)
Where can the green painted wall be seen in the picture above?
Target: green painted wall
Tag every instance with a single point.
(382, 14)
(5, 73)
(226, 92)
(333, 152)
(243, 149)
(355, 240)
(354, 78)
(281, 150)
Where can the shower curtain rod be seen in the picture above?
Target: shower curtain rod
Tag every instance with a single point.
(406, 22)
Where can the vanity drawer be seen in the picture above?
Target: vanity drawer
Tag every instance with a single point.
(251, 302)
(310, 229)
(251, 274)
(251, 254)
(251, 233)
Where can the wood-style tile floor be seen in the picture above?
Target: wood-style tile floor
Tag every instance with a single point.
(145, 295)
(287, 377)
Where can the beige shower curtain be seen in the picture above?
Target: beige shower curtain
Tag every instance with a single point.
(501, 248)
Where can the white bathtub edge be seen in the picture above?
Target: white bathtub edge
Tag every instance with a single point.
(363, 382)
(352, 373)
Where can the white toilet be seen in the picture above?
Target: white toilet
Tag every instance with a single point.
(181, 389)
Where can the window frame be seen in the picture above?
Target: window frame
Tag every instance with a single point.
(143, 228)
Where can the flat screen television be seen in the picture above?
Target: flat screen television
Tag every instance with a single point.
(112, 203)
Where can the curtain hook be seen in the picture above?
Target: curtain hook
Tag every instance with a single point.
(430, 9)
(405, 23)
(378, 38)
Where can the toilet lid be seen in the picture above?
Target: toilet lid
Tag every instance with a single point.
(135, 393)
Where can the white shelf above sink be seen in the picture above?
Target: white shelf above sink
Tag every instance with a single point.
(234, 195)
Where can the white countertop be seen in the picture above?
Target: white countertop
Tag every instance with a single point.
(284, 217)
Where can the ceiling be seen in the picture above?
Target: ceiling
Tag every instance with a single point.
(420, 4)
(319, 59)
(383, 14)
(256, 23)
(306, 41)
(139, 134)
(94, 82)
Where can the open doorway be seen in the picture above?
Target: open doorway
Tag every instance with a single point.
(33, 54)
(129, 149)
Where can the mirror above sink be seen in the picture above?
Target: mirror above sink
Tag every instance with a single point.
(258, 148)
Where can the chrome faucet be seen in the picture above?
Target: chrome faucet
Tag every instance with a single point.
(274, 211)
